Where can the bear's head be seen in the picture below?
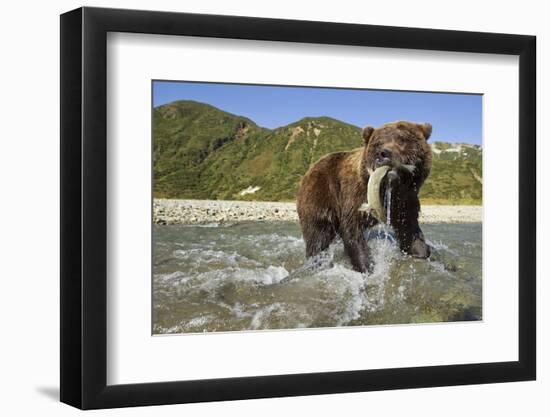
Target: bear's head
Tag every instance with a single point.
(404, 147)
(399, 144)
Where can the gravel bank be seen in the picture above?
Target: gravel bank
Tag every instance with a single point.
(219, 211)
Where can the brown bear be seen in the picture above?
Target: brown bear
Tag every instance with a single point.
(334, 189)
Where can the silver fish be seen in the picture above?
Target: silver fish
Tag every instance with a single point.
(374, 204)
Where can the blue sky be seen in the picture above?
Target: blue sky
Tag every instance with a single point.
(455, 117)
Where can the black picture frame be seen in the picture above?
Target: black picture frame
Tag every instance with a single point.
(84, 207)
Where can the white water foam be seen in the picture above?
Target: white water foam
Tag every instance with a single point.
(264, 276)
(263, 313)
(198, 257)
(439, 245)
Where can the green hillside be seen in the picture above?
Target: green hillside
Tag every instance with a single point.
(202, 152)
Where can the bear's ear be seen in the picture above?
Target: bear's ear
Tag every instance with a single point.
(367, 133)
(426, 129)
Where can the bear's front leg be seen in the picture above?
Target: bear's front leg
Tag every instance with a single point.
(356, 248)
(411, 240)
(357, 251)
(404, 220)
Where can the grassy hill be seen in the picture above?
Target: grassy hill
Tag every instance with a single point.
(202, 152)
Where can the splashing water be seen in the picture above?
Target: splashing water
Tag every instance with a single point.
(387, 203)
(253, 276)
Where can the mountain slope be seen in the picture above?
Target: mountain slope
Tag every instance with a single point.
(185, 134)
(202, 152)
(456, 175)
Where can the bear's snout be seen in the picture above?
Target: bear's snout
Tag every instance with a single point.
(384, 158)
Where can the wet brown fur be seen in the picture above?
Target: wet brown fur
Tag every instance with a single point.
(335, 187)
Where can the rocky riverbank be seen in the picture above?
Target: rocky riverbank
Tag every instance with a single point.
(219, 211)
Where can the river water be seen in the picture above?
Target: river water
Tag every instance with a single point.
(252, 276)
